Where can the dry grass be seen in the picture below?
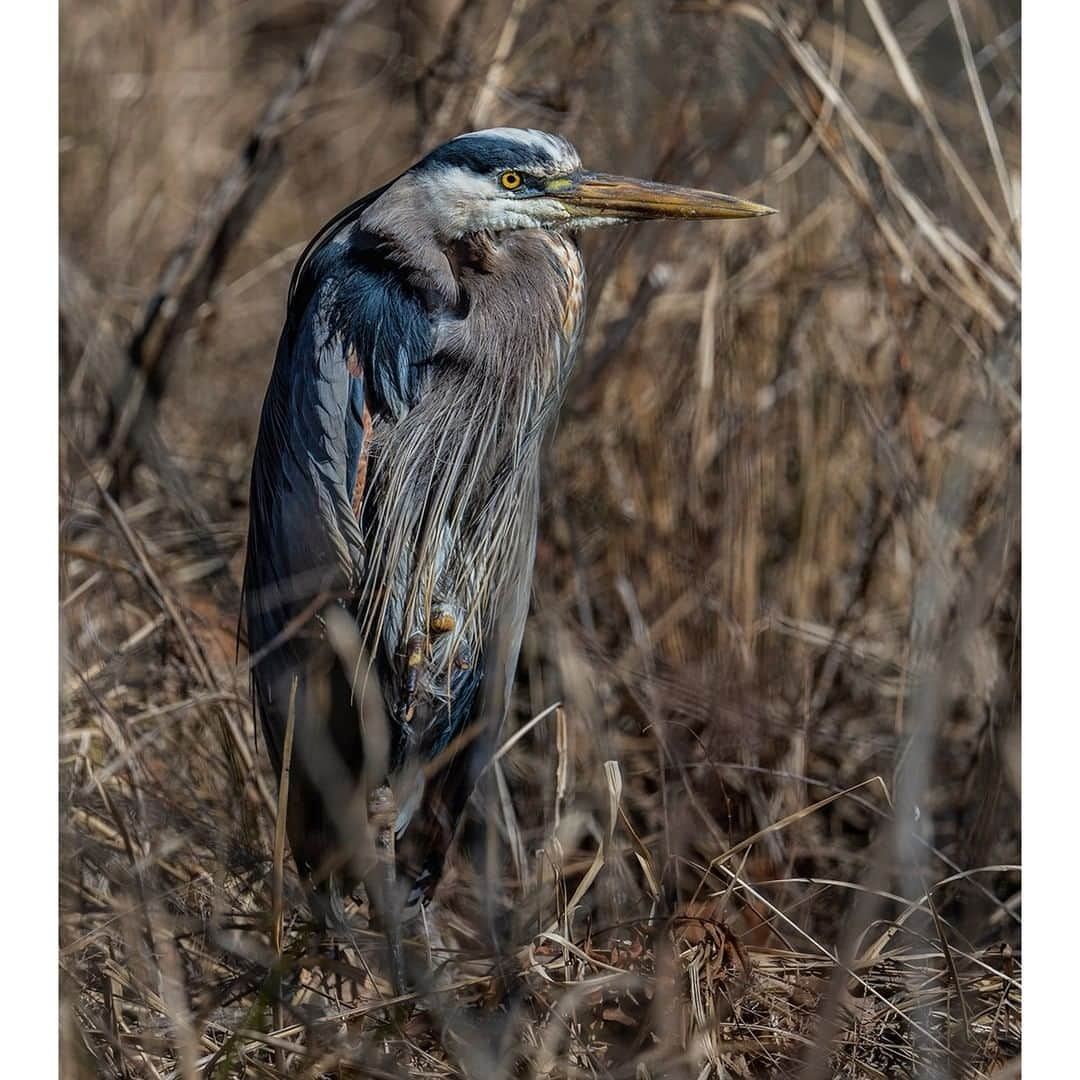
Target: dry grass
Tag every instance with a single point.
(772, 828)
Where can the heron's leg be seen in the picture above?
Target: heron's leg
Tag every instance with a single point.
(382, 813)
(416, 652)
(414, 659)
(444, 622)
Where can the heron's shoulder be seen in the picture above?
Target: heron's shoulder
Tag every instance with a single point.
(355, 278)
(352, 292)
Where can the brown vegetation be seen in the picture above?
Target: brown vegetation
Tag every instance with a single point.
(772, 827)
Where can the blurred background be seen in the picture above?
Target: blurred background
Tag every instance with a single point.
(767, 822)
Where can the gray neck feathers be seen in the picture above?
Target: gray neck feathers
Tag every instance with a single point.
(403, 214)
(456, 476)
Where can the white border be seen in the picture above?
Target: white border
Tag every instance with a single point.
(29, 452)
(1051, 528)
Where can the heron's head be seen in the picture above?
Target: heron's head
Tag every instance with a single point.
(513, 178)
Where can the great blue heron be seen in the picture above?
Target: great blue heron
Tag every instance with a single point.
(430, 332)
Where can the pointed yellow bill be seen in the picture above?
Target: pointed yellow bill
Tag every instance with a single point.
(624, 198)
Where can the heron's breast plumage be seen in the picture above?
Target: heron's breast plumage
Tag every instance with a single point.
(455, 484)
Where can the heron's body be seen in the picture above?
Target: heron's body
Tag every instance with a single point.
(430, 333)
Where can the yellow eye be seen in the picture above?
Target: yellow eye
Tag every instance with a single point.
(511, 180)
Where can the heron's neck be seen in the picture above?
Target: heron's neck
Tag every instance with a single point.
(402, 216)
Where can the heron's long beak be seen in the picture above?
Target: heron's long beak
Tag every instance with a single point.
(622, 198)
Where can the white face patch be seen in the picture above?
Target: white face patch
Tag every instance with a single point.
(464, 202)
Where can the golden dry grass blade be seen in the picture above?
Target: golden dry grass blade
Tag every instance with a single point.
(918, 99)
(989, 131)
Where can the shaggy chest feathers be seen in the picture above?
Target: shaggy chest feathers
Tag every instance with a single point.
(449, 508)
